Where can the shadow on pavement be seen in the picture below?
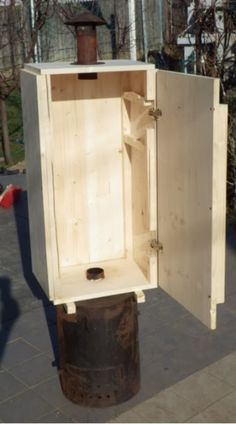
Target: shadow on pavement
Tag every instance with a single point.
(22, 226)
(9, 313)
(231, 235)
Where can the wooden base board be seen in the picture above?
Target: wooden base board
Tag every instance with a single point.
(121, 276)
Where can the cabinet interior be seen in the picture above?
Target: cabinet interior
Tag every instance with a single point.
(104, 182)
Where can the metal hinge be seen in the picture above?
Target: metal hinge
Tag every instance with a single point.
(156, 245)
(156, 113)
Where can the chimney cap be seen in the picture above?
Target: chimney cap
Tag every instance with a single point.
(85, 19)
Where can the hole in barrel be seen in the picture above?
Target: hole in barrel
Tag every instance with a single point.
(95, 273)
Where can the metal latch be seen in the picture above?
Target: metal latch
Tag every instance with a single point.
(156, 245)
(156, 113)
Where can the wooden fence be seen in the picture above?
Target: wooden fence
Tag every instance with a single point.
(56, 42)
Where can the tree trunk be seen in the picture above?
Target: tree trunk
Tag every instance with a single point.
(198, 38)
(5, 133)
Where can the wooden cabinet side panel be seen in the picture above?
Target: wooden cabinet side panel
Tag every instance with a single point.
(29, 87)
(188, 187)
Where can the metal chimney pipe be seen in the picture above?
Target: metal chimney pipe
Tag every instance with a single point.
(85, 26)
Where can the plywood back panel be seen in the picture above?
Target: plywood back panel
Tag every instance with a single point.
(191, 191)
(87, 168)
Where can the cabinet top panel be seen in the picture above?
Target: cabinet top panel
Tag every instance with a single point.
(55, 68)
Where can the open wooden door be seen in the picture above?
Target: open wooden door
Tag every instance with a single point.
(191, 155)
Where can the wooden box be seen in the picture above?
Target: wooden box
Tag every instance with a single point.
(126, 172)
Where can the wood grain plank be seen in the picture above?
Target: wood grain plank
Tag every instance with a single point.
(36, 117)
(187, 192)
(88, 168)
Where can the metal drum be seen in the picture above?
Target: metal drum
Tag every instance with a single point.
(99, 351)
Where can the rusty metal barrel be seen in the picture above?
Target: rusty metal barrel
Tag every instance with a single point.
(99, 351)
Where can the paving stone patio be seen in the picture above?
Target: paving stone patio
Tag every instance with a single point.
(188, 372)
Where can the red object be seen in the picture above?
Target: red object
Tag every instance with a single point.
(9, 196)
